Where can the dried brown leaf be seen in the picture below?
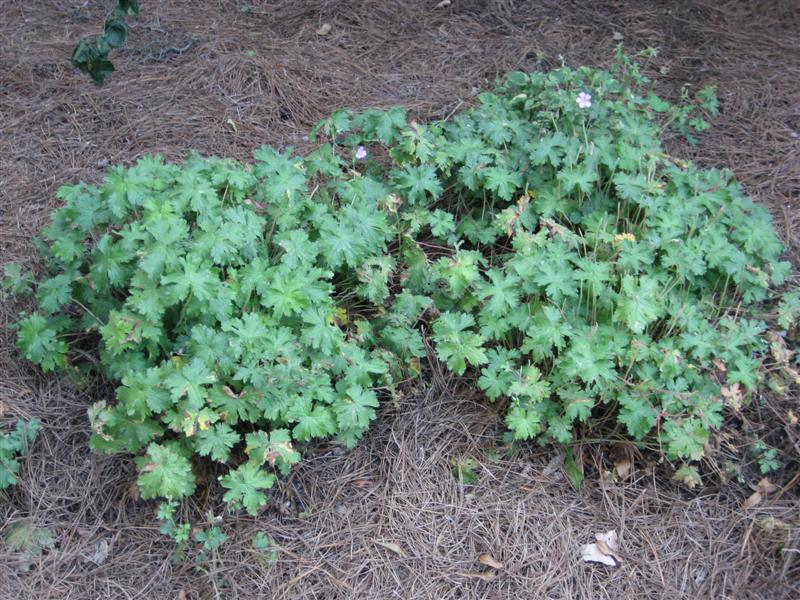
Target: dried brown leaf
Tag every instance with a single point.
(765, 486)
(98, 554)
(623, 467)
(591, 553)
(688, 476)
(780, 352)
(793, 374)
(490, 561)
(390, 546)
(362, 483)
(609, 543)
(733, 396)
(604, 550)
(753, 501)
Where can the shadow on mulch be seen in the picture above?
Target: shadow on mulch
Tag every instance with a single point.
(389, 519)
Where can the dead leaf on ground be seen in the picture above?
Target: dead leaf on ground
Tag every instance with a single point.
(133, 490)
(443, 3)
(604, 550)
(765, 486)
(98, 554)
(490, 561)
(773, 524)
(720, 365)
(608, 543)
(780, 352)
(753, 501)
(623, 467)
(793, 374)
(324, 29)
(391, 546)
(688, 476)
(362, 483)
(554, 465)
(733, 396)
(488, 576)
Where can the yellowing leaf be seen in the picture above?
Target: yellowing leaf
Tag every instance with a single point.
(733, 396)
(340, 316)
(772, 524)
(624, 237)
(414, 366)
(688, 476)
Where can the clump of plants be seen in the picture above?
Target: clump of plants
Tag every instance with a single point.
(543, 240)
(240, 309)
(577, 267)
(12, 444)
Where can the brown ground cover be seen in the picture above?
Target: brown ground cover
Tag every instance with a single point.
(387, 520)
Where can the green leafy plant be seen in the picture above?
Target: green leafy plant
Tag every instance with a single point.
(28, 540)
(211, 539)
(465, 470)
(266, 548)
(546, 241)
(766, 457)
(12, 444)
(91, 53)
(579, 268)
(241, 309)
(15, 282)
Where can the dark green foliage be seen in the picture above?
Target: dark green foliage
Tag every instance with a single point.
(12, 444)
(550, 248)
(231, 305)
(587, 270)
(91, 53)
